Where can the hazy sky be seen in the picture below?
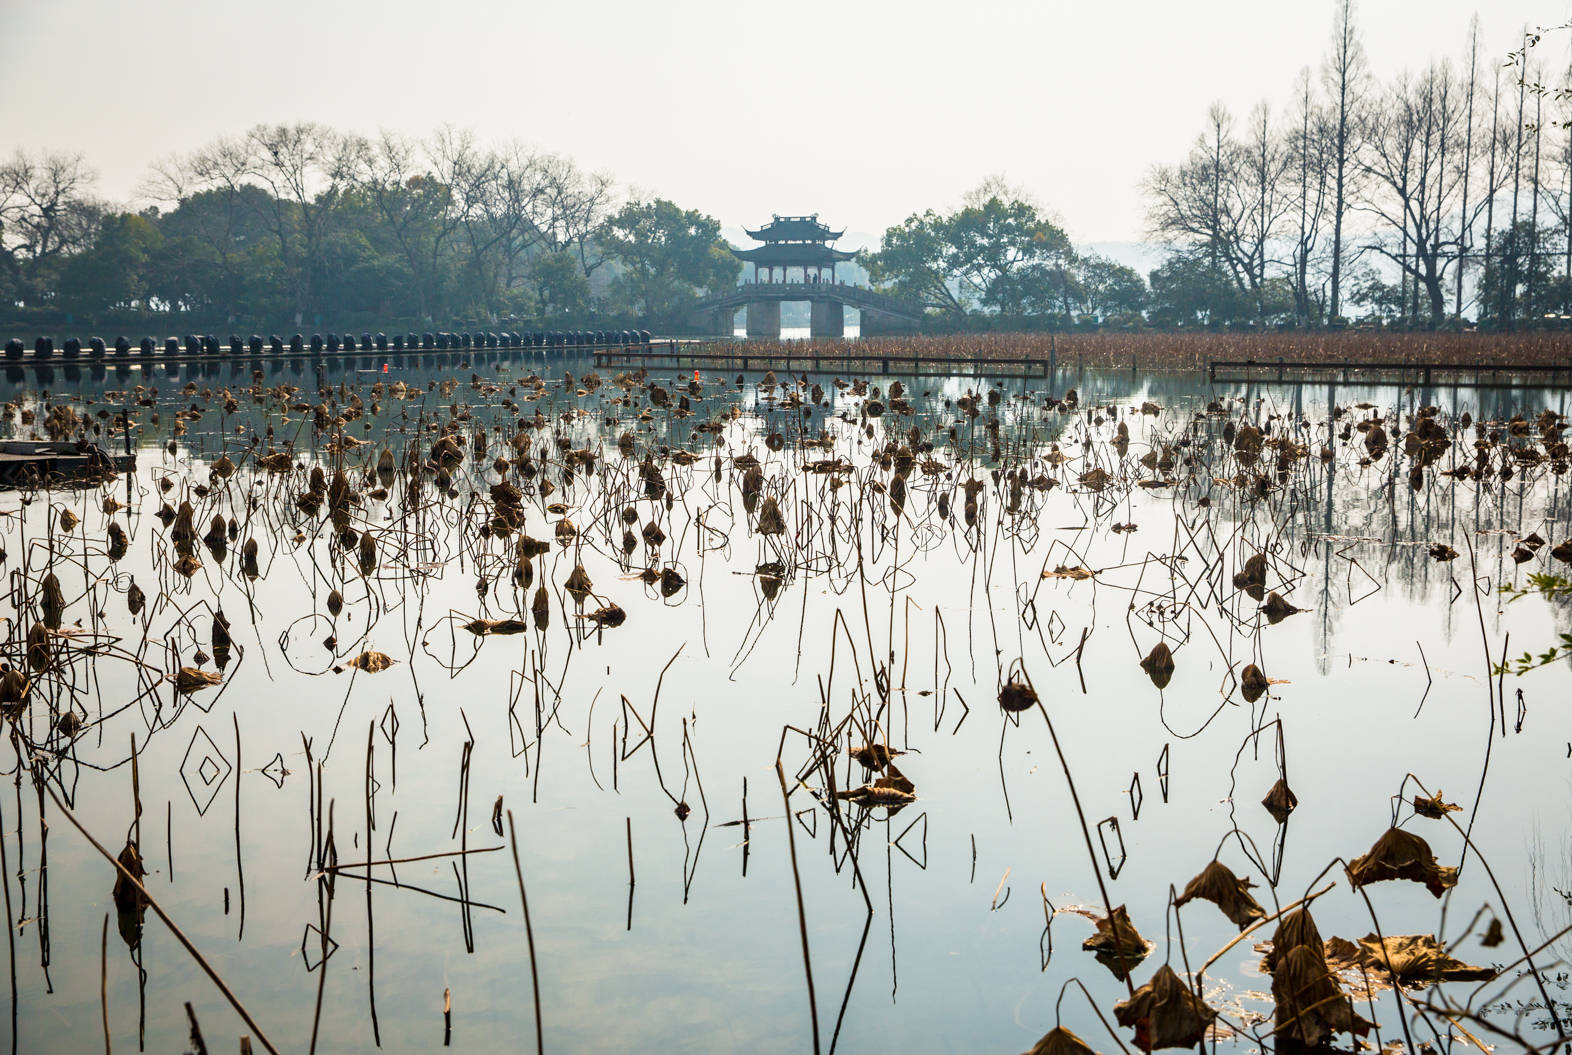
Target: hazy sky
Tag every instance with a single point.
(861, 111)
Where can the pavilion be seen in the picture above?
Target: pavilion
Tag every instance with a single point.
(796, 264)
(793, 244)
(796, 252)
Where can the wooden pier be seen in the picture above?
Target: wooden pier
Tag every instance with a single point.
(41, 463)
(1429, 375)
(848, 361)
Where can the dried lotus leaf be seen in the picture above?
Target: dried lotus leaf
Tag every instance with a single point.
(1159, 664)
(372, 662)
(1165, 1014)
(1218, 884)
(190, 679)
(1060, 1041)
(1310, 1005)
(1401, 854)
(1280, 801)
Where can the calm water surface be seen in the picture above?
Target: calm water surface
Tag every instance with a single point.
(953, 923)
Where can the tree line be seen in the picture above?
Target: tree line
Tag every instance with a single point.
(1000, 260)
(1439, 198)
(304, 225)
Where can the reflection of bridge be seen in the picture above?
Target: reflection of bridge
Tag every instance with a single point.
(880, 313)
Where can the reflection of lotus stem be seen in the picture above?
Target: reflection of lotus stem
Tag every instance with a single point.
(1086, 834)
(529, 932)
(802, 918)
(234, 1001)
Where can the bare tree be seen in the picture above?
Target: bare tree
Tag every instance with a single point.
(1533, 245)
(1307, 161)
(1465, 223)
(470, 175)
(575, 207)
(304, 169)
(1343, 75)
(1188, 201)
(415, 205)
(1227, 199)
(46, 209)
(511, 206)
(1560, 201)
(1264, 164)
(1495, 174)
(1506, 306)
(1413, 188)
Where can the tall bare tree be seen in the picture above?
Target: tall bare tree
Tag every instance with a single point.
(515, 204)
(1465, 224)
(1343, 76)
(1506, 307)
(1307, 155)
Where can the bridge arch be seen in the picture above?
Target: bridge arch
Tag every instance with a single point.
(881, 314)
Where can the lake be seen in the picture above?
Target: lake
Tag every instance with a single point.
(760, 576)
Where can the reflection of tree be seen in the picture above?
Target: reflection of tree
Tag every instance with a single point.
(1550, 888)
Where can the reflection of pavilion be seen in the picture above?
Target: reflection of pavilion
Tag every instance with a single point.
(797, 263)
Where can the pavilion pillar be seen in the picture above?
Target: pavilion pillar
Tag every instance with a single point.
(829, 319)
(764, 319)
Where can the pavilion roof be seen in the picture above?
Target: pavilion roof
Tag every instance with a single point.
(794, 229)
(793, 254)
